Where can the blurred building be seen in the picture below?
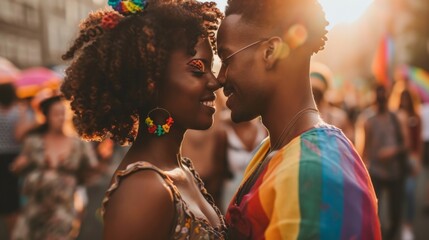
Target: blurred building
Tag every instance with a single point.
(38, 32)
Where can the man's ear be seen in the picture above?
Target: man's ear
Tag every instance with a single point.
(276, 49)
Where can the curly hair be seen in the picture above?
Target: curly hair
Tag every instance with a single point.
(112, 69)
(272, 14)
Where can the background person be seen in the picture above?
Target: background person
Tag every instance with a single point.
(52, 165)
(385, 152)
(411, 126)
(14, 122)
(321, 80)
(235, 145)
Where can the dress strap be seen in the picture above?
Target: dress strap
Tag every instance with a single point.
(132, 168)
(188, 163)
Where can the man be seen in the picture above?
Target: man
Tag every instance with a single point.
(305, 181)
(384, 153)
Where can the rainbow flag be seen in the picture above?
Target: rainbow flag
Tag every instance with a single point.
(315, 187)
(418, 79)
(382, 62)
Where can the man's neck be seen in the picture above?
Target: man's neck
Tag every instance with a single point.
(286, 119)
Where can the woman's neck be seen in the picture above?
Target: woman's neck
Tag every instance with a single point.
(162, 151)
(55, 132)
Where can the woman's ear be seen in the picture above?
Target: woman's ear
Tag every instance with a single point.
(276, 49)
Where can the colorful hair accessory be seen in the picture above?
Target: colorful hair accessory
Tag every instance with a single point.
(198, 64)
(110, 20)
(128, 6)
(159, 129)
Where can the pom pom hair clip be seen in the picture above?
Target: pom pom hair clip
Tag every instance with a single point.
(122, 8)
(110, 20)
(126, 7)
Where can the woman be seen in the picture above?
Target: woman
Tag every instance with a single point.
(411, 126)
(141, 73)
(53, 165)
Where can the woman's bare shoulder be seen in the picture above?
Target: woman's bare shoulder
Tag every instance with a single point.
(141, 207)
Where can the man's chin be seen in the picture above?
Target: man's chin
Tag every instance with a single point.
(239, 118)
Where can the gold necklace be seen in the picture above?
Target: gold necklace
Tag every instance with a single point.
(244, 189)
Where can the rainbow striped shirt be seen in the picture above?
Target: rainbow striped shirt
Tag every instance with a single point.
(315, 187)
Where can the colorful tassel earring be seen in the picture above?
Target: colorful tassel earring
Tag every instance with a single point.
(159, 129)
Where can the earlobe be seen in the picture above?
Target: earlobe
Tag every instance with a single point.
(267, 55)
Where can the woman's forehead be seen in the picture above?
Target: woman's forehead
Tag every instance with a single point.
(204, 49)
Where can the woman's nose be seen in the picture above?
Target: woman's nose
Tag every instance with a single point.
(221, 77)
(214, 84)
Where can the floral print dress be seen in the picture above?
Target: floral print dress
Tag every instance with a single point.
(49, 212)
(187, 225)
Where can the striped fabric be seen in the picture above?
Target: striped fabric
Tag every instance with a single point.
(315, 187)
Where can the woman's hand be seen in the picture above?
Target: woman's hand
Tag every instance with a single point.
(19, 164)
(388, 153)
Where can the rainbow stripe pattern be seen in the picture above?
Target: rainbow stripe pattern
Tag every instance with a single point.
(418, 79)
(315, 187)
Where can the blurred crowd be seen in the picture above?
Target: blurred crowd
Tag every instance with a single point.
(52, 182)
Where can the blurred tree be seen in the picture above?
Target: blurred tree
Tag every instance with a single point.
(419, 27)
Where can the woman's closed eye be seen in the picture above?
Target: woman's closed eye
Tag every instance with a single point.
(198, 66)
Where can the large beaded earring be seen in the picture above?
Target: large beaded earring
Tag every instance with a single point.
(159, 129)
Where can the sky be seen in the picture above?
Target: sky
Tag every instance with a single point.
(344, 11)
(337, 11)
